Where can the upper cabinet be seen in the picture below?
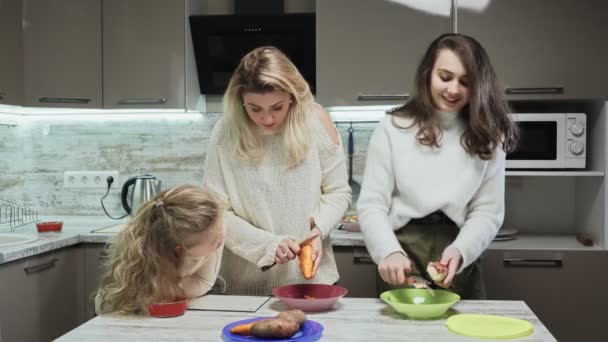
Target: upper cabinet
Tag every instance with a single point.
(11, 53)
(143, 54)
(62, 53)
(368, 50)
(94, 53)
(544, 49)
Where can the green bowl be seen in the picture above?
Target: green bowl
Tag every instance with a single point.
(419, 303)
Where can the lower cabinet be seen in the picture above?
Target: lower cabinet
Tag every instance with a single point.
(357, 271)
(95, 256)
(42, 297)
(565, 289)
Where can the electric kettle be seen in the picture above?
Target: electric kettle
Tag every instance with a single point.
(145, 187)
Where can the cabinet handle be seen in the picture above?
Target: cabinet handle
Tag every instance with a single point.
(62, 100)
(7, 123)
(363, 260)
(382, 97)
(554, 263)
(160, 100)
(533, 91)
(41, 267)
(361, 256)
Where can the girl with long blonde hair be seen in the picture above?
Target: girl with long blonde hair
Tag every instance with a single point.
(170, 250)
(277, 160)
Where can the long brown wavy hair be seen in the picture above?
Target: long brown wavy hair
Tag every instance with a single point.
(265, 69)
(143, 265)
(486, 114)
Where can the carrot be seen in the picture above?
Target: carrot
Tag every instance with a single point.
(306, 261)
(242, 329)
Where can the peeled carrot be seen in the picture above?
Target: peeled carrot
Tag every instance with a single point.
(242, 329)
(306, 261)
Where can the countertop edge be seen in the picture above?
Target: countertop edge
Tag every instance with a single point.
(49, 242)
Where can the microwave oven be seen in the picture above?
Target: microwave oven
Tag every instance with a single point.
(549, 141)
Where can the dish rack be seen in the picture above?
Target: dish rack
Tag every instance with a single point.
(13, 214)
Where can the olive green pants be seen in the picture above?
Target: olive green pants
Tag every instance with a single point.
(424, 243)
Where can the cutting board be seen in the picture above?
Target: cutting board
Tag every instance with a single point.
(228, 303)
(111, 229)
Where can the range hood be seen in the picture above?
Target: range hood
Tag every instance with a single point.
(220, 41)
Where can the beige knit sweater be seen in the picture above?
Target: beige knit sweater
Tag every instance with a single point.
(270, 201)
(199, 274)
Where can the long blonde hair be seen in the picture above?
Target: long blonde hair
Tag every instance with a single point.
(262, 70)
(143, 265)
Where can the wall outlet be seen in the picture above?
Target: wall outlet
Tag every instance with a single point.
(89, 179)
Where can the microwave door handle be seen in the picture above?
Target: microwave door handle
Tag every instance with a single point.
(534, 90)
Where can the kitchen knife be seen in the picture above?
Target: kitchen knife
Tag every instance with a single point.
(420, 283)
(301, 244)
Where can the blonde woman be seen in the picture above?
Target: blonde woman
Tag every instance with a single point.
(277, 159)
(171, 249)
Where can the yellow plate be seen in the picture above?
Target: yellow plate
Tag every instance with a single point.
(488, 326)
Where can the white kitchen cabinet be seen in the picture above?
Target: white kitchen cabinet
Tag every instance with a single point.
(543, 47)
(368, 50)
(143, 54)
(11, 53)
(42, 296)
(95, 256)
(565, 289)
(62, 53)
(357, 271)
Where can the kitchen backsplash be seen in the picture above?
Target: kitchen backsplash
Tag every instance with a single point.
(35, 153)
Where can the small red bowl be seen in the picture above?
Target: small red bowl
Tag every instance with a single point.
(310, 297)
(172, 309)
(49, 226)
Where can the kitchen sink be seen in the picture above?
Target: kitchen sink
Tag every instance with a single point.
(12, 239)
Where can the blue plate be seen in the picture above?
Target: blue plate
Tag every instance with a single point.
(310, 331)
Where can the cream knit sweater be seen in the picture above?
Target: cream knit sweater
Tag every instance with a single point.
(404, 179)
(198, 275)
(270, 202)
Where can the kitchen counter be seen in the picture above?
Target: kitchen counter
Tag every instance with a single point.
(79, 229)
(75, 228)
(355, 319)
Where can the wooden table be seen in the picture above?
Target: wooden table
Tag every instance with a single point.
(354, 319)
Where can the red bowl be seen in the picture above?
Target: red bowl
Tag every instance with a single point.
(310, 297)
(49, 226)
(172, 309)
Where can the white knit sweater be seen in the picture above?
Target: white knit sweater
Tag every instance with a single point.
(198, 275)
(270, 202)
(404, 179)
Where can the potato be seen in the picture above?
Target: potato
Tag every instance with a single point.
(437, 271)
(275, 328)
(297, 316)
